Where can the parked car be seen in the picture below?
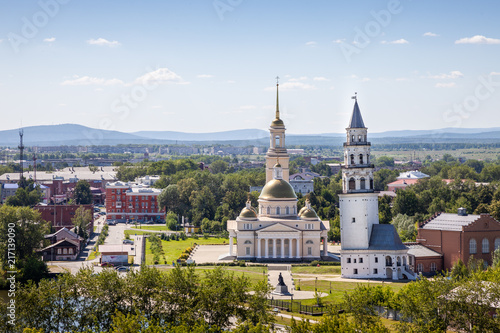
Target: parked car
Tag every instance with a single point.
(128, 241)
(107, 264)
(97, 210)
(122, 269)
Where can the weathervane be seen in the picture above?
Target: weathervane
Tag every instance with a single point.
(355, 97)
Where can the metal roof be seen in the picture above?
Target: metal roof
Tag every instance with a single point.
(419, 251)
(450, 222)
(356, 119)
(385, 237)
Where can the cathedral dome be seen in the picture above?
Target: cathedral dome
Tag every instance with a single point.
(308, 214)
(277, 189)
(277, 122)
(247, 213)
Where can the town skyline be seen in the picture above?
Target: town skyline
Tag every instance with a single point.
(210, 67)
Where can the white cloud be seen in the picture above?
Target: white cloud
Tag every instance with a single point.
(156, 107)
(430, 34)
(103, 42)
(477, 39)
(339, 41)
(231, 81)
(353, 76)
(445, 85)
(293, 85)
(320, 78)
(398, 41)
(161, 75)
(302, 78)
(401, 79)
(365, 79)
(247, 107)
(50, 40)
(311, 43)
(332, 88)
(451, 75)
(495, 73)
(87, 81)
(204, 76)
(62, 104)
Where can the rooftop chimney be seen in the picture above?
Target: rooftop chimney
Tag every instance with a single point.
(462, 211)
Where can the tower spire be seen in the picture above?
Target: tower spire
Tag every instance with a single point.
(356, 119)
(277, 98)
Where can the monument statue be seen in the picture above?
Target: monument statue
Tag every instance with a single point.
(280, 280)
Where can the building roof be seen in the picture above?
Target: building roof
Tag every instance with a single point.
(277, 189)
(308, 175)
(11, 186)
(116, 248)
(64, 229)
(414, 174)
(419, 251)
(356, 119)
(450, 222)
(73, 173)
(403, 182)
(385, 237)
(389, 193)
(72, 242)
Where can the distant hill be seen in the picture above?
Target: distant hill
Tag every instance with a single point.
(72, 134)
(244, 134)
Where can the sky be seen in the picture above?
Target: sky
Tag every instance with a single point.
(209, 66)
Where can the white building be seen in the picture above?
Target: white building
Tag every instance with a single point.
(368, 249)
(277, 231)
(414, 174)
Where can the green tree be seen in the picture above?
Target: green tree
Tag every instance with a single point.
(406, 202)
(171, 221)
(219, 166)
(27, 195)
(82, 221)
(169, 198)
(384, 209)
(82, 193)
(405, 226)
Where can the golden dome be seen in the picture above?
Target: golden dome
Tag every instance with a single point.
(277, 189)
(302, 210)
(248, 213)
(308, 214)
(277, 122)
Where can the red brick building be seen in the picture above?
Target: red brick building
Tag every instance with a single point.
(460, 236)
(132, 202)
(424, 260)
(60, 216)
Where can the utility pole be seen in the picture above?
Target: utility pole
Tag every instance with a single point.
(21, 153)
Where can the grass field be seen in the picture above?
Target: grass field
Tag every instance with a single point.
(254, 274)
(173, 249)
(333, 270)
(151, 227)
(131, 232)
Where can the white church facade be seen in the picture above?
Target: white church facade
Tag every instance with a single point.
(275, 230)
(368, 249)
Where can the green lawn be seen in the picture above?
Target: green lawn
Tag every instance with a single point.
(332, 270)
(255, 274)
(173, 249)
(152, 227)
(337, 289)
(132, 232)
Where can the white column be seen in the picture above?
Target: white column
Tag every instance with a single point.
(258, 247)
(282, 248)
(325, 246)
(274, 247)
(299, 240)
(267, 247)
(230, 245)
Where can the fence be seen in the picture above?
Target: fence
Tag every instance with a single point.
(291, 306)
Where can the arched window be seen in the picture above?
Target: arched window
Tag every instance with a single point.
(497, 243)
(352, 184)
(352, 138)
(309, 242)
(287, 210)
(352, 159)
(278, 210)
(472, 246)
(362, 184)
(294, 210)
(277, 141)
(388, 261)
(360, 158)
(268, 210)
(367, 158)
(486, 245)
(359, 138)
(248, 242)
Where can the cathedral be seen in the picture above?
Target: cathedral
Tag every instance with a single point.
(368, 249)
(276, 231)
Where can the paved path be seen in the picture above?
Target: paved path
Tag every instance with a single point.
(273, 272)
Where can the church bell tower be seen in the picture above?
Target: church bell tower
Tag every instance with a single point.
(277, 150)
(358, 202)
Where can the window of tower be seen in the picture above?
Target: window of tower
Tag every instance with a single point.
(359, 138)
(277, 141)
(352, 138)
(367, 158)
(362, 184)
(360, 158)
(268, 210)
(352, 159)
(278, 210)
(371, 184)
(352, 184)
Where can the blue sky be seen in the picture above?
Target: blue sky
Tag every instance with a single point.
(206, 66)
